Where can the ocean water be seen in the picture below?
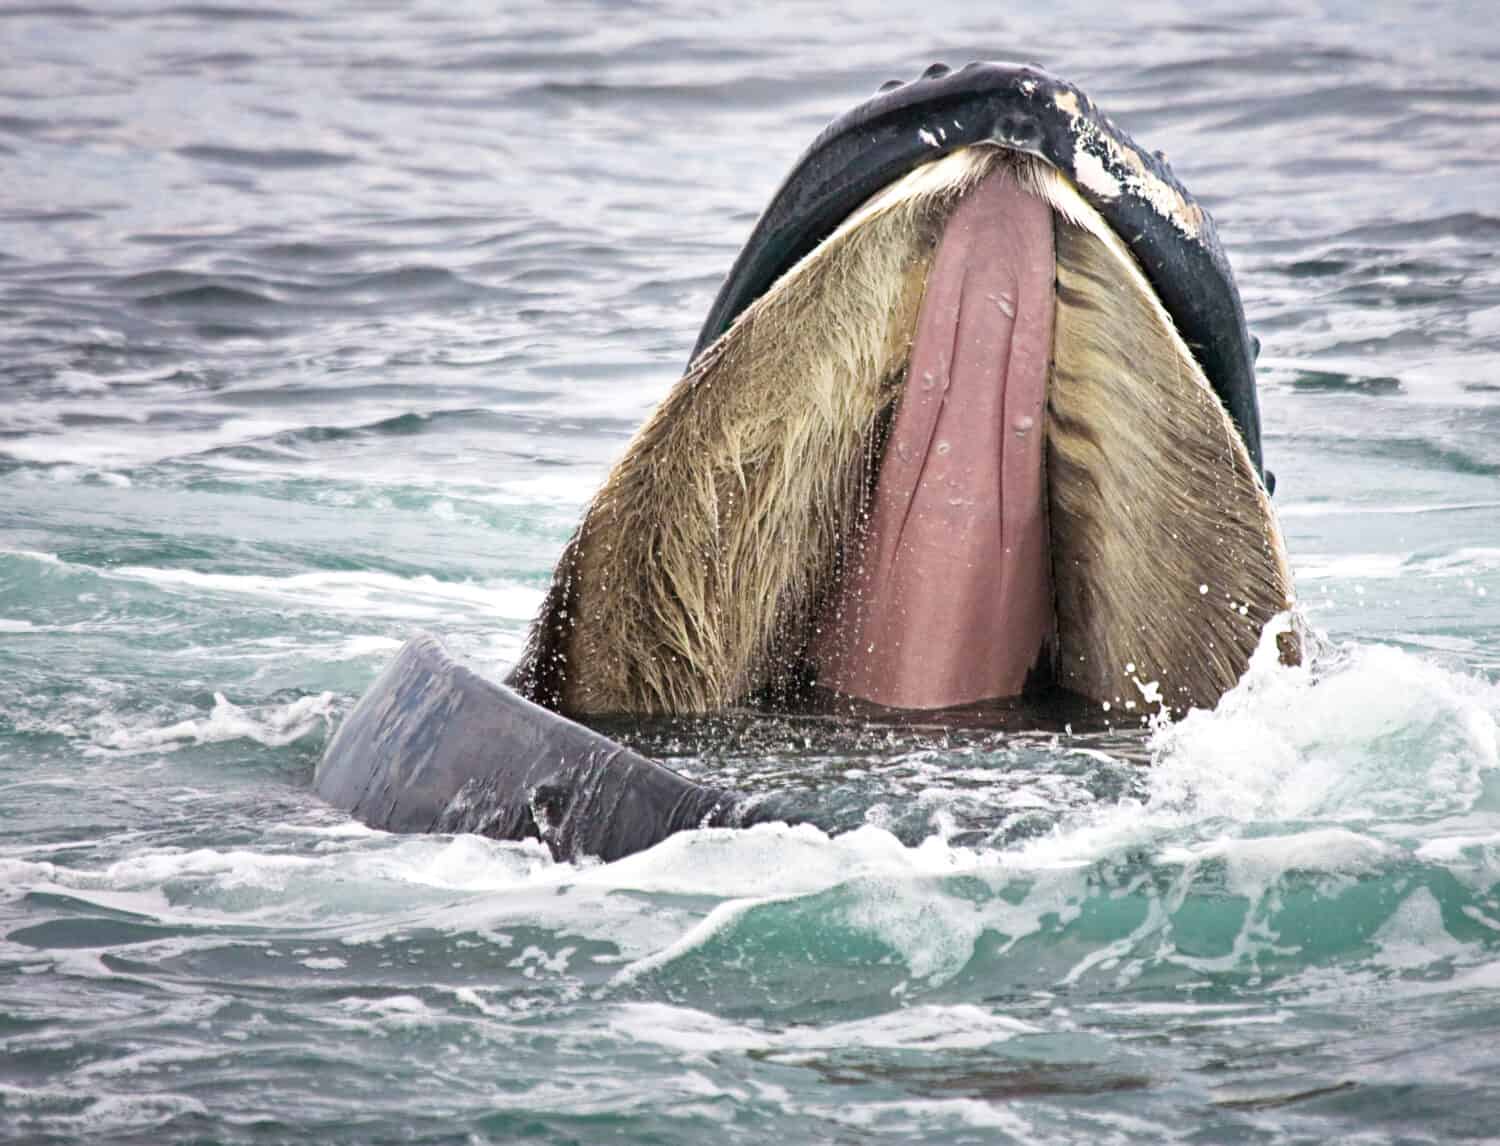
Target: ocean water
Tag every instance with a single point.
(319, 323)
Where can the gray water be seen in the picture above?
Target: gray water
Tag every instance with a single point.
(319, 323)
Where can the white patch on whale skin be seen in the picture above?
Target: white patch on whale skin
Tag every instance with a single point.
(927, 137)
(1105, 166)
(1090, 171)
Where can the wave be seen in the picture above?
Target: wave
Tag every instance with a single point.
(1319, 814)
(423, 597)
(266, 158)
(274, 727)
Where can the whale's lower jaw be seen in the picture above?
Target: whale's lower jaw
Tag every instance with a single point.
(805, 508)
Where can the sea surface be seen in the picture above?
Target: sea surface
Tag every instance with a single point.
(319, 324)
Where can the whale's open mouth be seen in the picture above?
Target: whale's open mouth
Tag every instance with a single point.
(958, 451)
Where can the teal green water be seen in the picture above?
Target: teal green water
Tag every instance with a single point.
(318, 326)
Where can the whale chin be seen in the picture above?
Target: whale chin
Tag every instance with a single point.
(958, 452)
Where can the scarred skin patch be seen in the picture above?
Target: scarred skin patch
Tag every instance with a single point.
(1105, 166)
(1091, 173)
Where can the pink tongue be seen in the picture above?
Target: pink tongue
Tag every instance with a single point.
(952, 601)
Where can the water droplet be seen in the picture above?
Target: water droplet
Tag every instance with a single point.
(943, 447)
(1024, 423)
(1203, 590)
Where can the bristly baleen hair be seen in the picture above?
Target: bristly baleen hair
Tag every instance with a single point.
(692, 582)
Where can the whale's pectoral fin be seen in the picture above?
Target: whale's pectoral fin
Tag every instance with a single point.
(434, 747)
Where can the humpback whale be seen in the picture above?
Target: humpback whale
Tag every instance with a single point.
(972, 417)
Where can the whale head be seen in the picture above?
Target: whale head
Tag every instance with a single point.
(973, 417)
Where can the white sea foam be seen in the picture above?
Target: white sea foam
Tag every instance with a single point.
(1377, 733)
(1463, 561)
(74, 475)
(372, 872)
(113, 1113)
(1252, 864)
(104, 447)
(325, 963)
(895, 895)
(566, 488)
(1367, 734)
(393, 1011)
(929, 1027)
(1415, 936)
(770, 859)
(1459, 853)
(1345, 509)
(274, 726)
(150, 1061)
(451, 863)
(1296, 774)
(32, 555)
(1336, 748)
(423, 598)
(281, 647)
(1349, 567)
(915, 1118)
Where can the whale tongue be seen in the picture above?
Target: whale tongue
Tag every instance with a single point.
(950, 599)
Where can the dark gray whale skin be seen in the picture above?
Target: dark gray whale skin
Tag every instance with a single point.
(433, 747)
(1023, 108)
